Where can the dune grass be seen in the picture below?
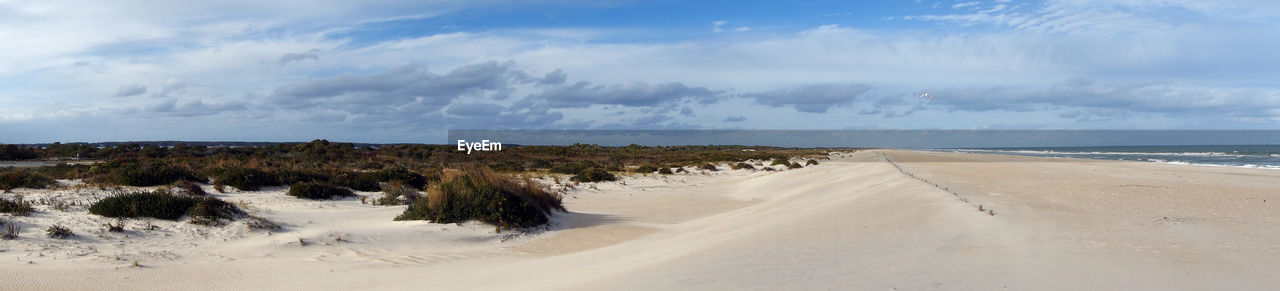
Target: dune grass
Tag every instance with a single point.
(487, 196)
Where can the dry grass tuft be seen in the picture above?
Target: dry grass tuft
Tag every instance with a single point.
(484, 195)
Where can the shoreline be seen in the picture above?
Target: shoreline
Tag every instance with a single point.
(961, 151)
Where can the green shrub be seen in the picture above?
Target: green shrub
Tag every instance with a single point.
(593, 175)
(793, 165)
(506, 166)
(151, 174)
(13, 179)
(740, 166)
(16, 207)
(199, 210)
(142, 204)
(780, 161)
(245, 179)
(407, 177)
(536, 164)
(213, 212)
(811, 163)
(573, 168)
(318, 191)
(665, 171)
(293, 176)
(709, 167)
(360, 181)
(485, 196)
(646, 169)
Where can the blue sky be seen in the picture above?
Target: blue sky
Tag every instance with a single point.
(407, 71)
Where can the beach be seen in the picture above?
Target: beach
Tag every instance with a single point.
(874, 219)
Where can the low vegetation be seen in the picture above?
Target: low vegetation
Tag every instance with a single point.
(318, 191)
(11, 230)
(487, 196)
(150, 173)
(811, 163)
(16, 207)
(743, 166)
(199, 210)
(593, 175)
(397, 193)
(20, 178)
(245, 179)
(708, 167)
(324, 170)
(573, 168)
(59, 232)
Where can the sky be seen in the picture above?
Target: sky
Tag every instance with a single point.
(408, 71)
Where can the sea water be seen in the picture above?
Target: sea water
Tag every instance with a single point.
(1249, 156)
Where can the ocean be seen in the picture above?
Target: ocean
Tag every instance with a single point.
(1248, 156)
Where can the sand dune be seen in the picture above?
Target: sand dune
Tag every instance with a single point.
(856, 222)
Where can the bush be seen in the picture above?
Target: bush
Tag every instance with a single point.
(506, 166)
(18, 207)
(360, 181)
(189, 188)
(536, 164)
(201, 210)
(392, 191)
(245, 179)
(486, 196)
(318, 191)
(811, 163)
(573, 168)
(13, 179)
(213, 212)
(793, 165)
(780, 161)
(665, 171)
(647, 169)
(59, 232)
(740, 166)
(708, 167)
(151, 174)
(593, 175)
(293, 176)
(407, 177)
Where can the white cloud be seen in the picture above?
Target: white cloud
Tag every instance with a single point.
(965, 4)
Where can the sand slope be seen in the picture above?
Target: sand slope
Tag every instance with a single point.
(857, 222)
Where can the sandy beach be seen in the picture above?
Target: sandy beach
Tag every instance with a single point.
(875, 219)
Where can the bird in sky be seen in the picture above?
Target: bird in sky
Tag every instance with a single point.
(923, 95)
